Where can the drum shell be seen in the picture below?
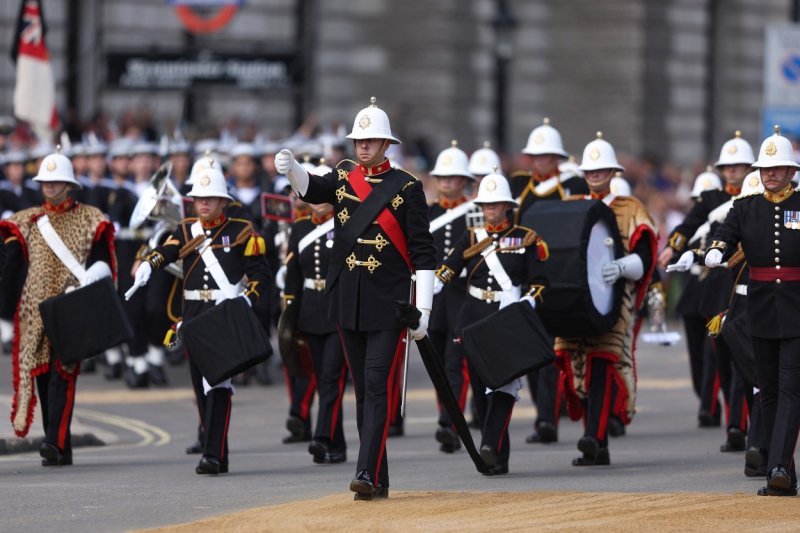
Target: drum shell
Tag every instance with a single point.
(85, 322)
(567, 309)
(226, 340)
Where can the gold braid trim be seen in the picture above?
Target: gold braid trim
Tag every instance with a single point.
(477, 248)
(445, 273)
(736, 258)
(191, 246)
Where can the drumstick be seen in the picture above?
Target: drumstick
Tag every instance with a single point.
(130, 292)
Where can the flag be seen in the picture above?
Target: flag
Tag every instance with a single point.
(35, 88)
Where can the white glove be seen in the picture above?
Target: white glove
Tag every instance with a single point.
(298, 176)
(97, 271)
(246, 299)
(424, 301)
(140, 279)
(437, 286)
(683, 264)
(628, 267)
(530, 299)
(422, 329)
(713, 258)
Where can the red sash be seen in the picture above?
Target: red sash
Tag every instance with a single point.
(385, 219)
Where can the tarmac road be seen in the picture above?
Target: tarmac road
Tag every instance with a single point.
(142, 477)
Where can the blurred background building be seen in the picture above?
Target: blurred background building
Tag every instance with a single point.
(671, 79)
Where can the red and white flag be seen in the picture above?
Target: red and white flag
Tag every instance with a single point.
(35, 89)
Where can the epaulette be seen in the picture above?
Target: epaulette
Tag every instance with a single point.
(477, 248)
(191, 246)
(743, 196)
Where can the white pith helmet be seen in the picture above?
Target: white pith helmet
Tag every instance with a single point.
(209, 183)
(483, 161)
(776, 151)
(202, 164)
(735, 151)
(451, 161)
(619, 186)
(372, 123)
(598, 155)
(545, 140)
(494, 188)
(706, 181)
(752, 184)
(57, 168)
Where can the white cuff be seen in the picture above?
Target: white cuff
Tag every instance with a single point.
(298, 178)
(424, 286)
(632, 267)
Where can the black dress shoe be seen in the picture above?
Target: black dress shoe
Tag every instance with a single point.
(593, 454)
(134, 380)
(380, 493)
(449, 440)
(489, 456)
(196, 447)
(299, 430)
(754, 456)
(616, 427)
(736, 442)
(779, 483)
(156, 376)
(113, 371)
(363, 485)
(52, 456)
(706, 420)
(324, 454)
(545, 434)
(211, 466)
(754, 471)
(497, 470)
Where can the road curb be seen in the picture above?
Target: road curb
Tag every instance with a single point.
(31, 444)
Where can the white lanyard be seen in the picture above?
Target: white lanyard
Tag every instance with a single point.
(493, 262)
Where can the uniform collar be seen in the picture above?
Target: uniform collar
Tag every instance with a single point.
(321, 220)
(213, 223)
(778, 197)
(444, 203)
(598, 195)
(377, 169)
(539, 179)
(504, 225)
(63, 207)
(733, 190)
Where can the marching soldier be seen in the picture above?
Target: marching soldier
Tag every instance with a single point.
(309, 251)
(600, 371)
(37, 270)
(734, 162)
(371, 268)
(14, 194)
(766, 225)
(448, 223)
(500, 260)
(544, 152)
(483, 161)
(237, 255)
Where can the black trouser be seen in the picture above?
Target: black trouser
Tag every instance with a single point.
(478, 392)
(546, 394)
(301, 396)
(215, 415)
(756, 437)
(734, 390)
(711, 385)
(374, 360)
(696, 335)
(599, 399)
(499, 406)
(778, 370)
(331, 374)
(455, 367)
(57, 397)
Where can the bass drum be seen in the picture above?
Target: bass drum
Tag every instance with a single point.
(582, 236)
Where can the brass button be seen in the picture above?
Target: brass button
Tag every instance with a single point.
(777, 217)
(777, 259)
(777, 241)
(777, 208)
(776, 233)
(777, 267)
(777, 250)
(777, 226)
(777, 281)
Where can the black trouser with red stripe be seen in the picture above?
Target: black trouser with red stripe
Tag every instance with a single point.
(734, 388)
(547, 390)
(599, 400)
(301, 396)
(374, 359)
(331, 374)
(455, 366)
(57, 397)
(215, 415)
(499, 406)
(778, 371)
(711, 384)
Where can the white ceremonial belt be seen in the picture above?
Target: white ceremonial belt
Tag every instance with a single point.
(314, 284)
(696, 270)
(741, 289)
(487, 296)
(202, 295)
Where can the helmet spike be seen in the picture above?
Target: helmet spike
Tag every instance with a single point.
(599, 134)
(373, 101)
(737, 134)
(777, 128)
(453, 143)
(709, 168)
(58, 149)
(546, 121)
(487, 144)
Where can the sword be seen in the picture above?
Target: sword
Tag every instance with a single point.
(407, 340)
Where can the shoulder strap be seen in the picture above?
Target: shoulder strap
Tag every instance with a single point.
(362, 217)
(493, 262)
(212, 264)
(58, 247)
(315, 234)
(450, 215)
